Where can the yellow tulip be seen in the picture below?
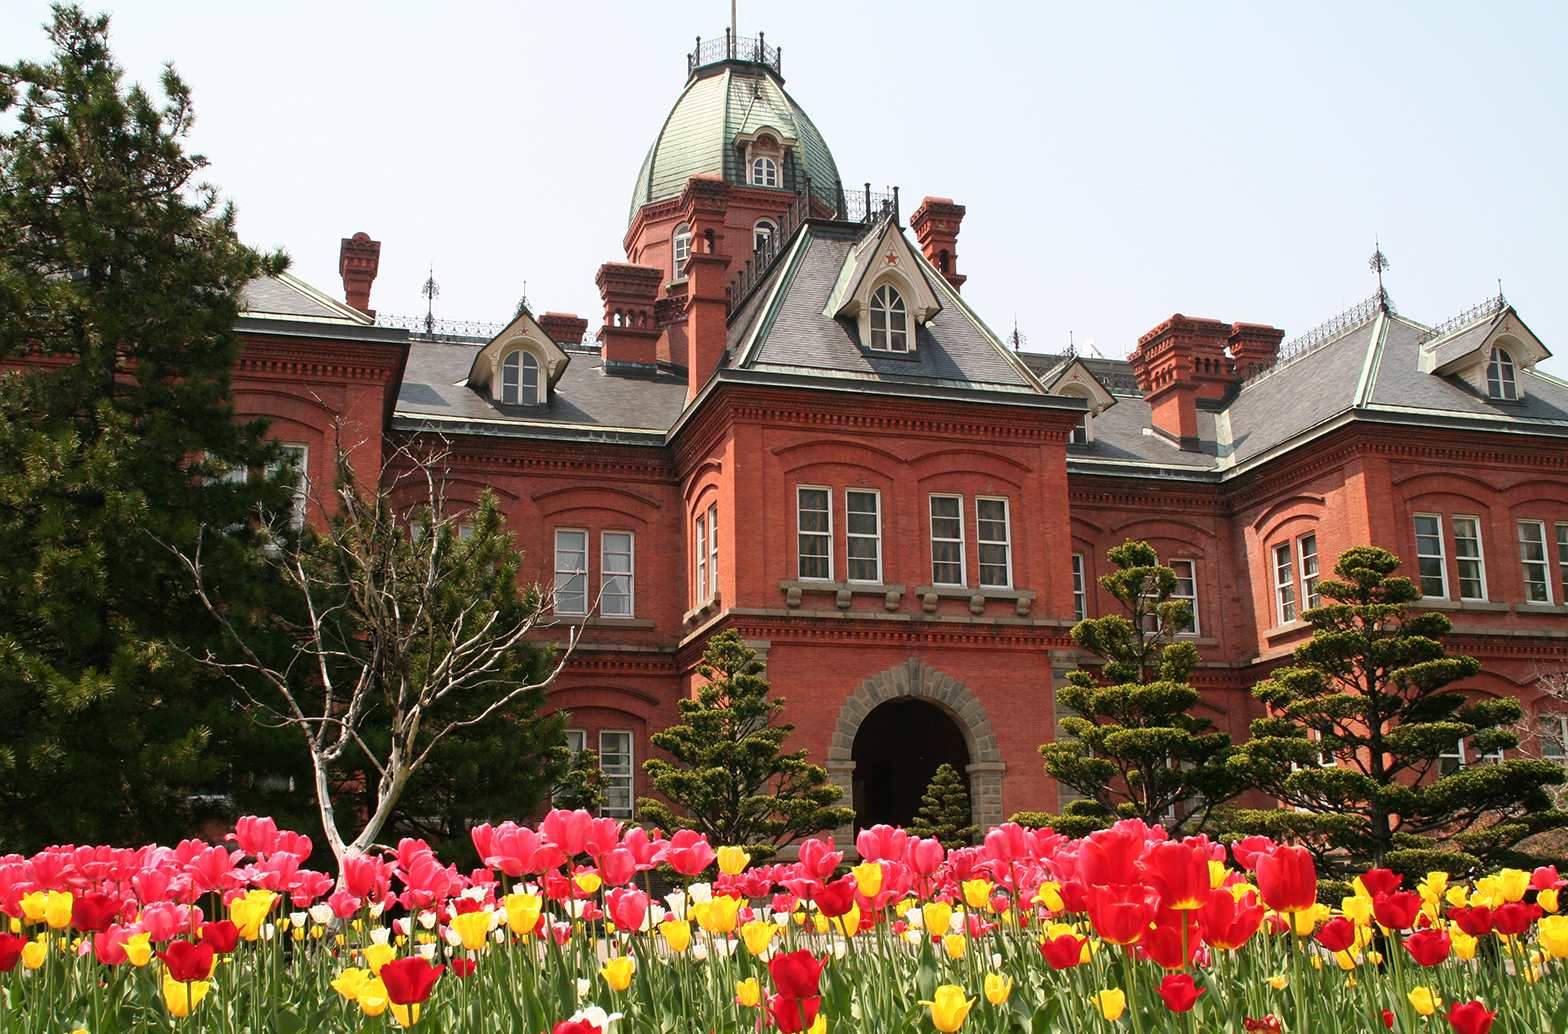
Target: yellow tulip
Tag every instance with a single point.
(1217, 874)
(977, 893)
(1278, 981)
(1551, 933)
(588, 882)
(249, 909)
(937, 915)
(57, 909)
(757, 935)
(733, 860)
(1513, 883)
(1111, 1003)
(406, 1015)
(352, 982)
(373, 1000)
(618, 972)
(818, 1025)
(1547, 899)
(34, 953)
(138, 949)
(1464, 945)
(820, 921)
(1425, 1000)
(717, 915)
(1375, 957)
(1357, 909)
(997, 988)
(748, 992)
(955, 943)
(1346, 960)
(1305, 922)
(1050, 895)
(1241, 890)
(677, 933)
(33, 906)
(1455, 896)
(378, 955)
(848, 924)
(473, 928)
(868, 878)
(949, 1007)
(1435, 885)
(182, 996)
(522, 912)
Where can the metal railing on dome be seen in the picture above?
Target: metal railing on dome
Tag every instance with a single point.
(735, 48)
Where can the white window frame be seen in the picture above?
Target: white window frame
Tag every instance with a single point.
(1440, 557)
(680, 247)
(764, 172)
(618, 776)
(1459, 521)
(1547, 719)
(762, 231)
(296, 455)
(576, 743)
(1501, 382)
(1325, 760)
(608, 598)
(887, 303)
(825, 534)
(867, 540)
(1457, 757)
(1309, 579)
(700, 557)
(1540, 563)
(1190, 597)
(565, 576)
(713, 549)
(1562, 557)
(1080, 589)
(958, 521)
(1004, 544)
(1284, 579)
(519, 367)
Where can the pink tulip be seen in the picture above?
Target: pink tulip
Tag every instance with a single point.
(881, 842)
(1008, 842)
(213, 869)
(344, 904)
(603, 835)
(567, 830)
(688, 852)
(925, 855)
(255, 835)
(366, 876)
(617, 866)
(818, 860)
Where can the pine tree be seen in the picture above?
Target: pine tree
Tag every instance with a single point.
(1358, 728)
(1135, 748)
(120, 281)
(944, 810)
(729, 779)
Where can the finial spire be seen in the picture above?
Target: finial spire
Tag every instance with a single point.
(1379, 262)
(430, 290)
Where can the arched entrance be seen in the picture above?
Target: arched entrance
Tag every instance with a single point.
(897, 750)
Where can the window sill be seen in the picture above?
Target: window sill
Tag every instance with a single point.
(1288, 628)
(843, 592)
(704, 609)
(1023, 599)
(602, 621)
(1466, 606)
(1539, 608)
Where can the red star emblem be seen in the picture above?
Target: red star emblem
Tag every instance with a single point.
(892, 259)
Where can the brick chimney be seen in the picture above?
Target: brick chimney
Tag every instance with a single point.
(703, 205)
(358, 260)
(629, 332)
(936, 224)
(1186, 359)
(565, 328)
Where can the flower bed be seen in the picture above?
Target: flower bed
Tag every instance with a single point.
(1032, 932)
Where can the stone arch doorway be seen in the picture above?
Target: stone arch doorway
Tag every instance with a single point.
(914, 678)
(897, 750)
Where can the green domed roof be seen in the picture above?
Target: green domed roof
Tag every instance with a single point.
(721, 102)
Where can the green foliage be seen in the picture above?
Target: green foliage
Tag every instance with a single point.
(1371, 685)
(1134, 746)
(1078, 819)
(120, 282)
(944, 810)
(730, 779)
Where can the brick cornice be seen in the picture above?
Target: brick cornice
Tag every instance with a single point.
(283, 357)
(585, 459)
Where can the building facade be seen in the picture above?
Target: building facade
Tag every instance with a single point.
(788, 422)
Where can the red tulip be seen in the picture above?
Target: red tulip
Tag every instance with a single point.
(796, 975)
(10, 950)
(1063, 952)
(409, 980)
(689, 853)
(463, 967)
(628, 908)
(1546, 878)
(576, 1027)
(92, 913)
(793, 1015)
(1120, 914)
(1248, 849)
(1180, 873)
(1179, 993)
(223, 935)
(1381, 881)
(1338, 934)
(1515, 917)
(187, 961)
(1397, 911)
(1388, 1018)
(365, 876)
(1228, 924)
(1477, 921)
(837, 898)
(1287, 879)
(1162, 943)
(1110, 857)
(1470, 1018)
(1268, 1025)
(617, 866)
(1429, 947)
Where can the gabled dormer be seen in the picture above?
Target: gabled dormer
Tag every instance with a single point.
(883, 289)
(519, 366)
(765, 154)
(1487, 353)
(1074, 379)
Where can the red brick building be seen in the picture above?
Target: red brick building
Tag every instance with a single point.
(787, 421)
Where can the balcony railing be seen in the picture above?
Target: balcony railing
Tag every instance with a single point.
(735, 48)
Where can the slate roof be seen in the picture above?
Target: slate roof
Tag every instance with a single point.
(288, 297)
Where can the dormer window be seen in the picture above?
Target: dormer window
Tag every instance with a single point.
(520, 379)
(680, 247)
(764, 172)
(762, 233)
(1500, 383)
(889, 321)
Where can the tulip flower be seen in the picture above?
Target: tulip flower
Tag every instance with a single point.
(955, 943)
(618, 972)
(10, 951)
(977, 893)
(677, 933)
(793, 1015)
(1380, 881)
(1228, 923)
(1120, 914)
(57, 909)
(1180, 873)
(1477, 921)
(1063, 952)
(949, 1008)
(1552, 935)
(1428, 947)
(463, 967)
(222, 934)
(1287, 879)
(1514, 918)
(248, 911)
(758, 935)
(181, 996)
(1111, 1003)
(187, 961)
(408, 983)
(93, 913)
(1470, 1018)
(997, 988)
(1547, 899)
(1425, 1000)
(1178, 992)
(1269, 1024)
(1396, 911)
(378, 955)
(576, 1027)
(837, 897)
(138, 950)
(1279, 981)
(748, 992)
(936, 916)
(473, 928)
(797, 974)
(732, 860)
(868, 878)
(34, 953)
(1163, 943)
(1337, 934)
(522, 912)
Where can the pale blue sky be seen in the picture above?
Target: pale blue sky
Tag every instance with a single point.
(1120, 162)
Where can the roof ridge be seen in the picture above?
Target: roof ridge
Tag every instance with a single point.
(1325, 333)
(1475, 314)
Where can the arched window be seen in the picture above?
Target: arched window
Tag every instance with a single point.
(1500, 382)
(681, 246)
(762, 233)
(520, 378)
(764, 172)
(889, 321)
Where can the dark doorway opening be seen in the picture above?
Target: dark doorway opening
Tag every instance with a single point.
(897, 750)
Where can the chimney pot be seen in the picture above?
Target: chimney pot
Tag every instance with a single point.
(358, 261)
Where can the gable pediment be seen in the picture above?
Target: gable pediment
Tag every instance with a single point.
(884, 257)
(1468, 348)
(522, 333)
(1074, 378)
